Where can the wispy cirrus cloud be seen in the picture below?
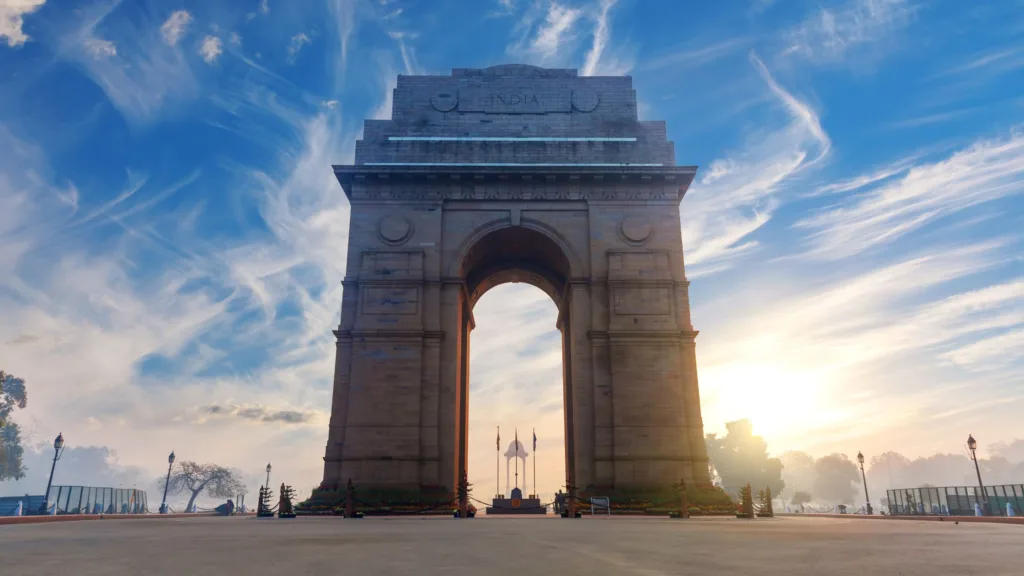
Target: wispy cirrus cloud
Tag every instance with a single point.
(598, 60)
(151, 312)
(880, 212)
(688, 56)
(991, 62)
(141, 74)
(936, 118)
(548, 35)
(865, 331)
(830, 35)
(738, 195)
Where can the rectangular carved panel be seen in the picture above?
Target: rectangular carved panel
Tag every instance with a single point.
(641, 301)
(392, 266)
(509, 98)
(639, 266)
(390, 300)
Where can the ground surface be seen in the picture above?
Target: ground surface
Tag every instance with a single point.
(513, 546)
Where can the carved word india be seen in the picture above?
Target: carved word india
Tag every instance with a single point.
(513, 99)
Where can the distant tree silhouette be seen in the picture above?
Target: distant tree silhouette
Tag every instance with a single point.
(12, 395)
(213, 480)
(837, 479)
(800, 497)
(741, 458)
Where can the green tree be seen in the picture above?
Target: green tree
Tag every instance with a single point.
(12, 395)
(740, 457)
(800, 497)
(837, 478)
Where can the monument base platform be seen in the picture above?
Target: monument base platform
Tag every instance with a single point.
(516, 506)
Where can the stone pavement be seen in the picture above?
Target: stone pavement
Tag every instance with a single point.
(510, 546)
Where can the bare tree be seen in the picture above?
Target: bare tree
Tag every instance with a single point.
(213, 480)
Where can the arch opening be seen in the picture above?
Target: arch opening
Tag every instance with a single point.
(510, 255)
(516, 382)
(516, 254)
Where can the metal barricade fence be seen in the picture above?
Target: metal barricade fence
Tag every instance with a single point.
(956, 500)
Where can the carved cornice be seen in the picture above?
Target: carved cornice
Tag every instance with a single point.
(424, 183)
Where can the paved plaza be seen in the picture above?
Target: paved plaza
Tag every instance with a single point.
(509, 546)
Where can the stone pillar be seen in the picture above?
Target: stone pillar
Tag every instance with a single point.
(696, 451)
(333, 459)
(577, 356)
(449, 427)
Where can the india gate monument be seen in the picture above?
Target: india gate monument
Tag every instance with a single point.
(515, 174)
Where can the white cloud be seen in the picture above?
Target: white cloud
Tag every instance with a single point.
(235, 39)
(997, 61)
(695, 57)
(881, 211)
(830, 35)
(210, 49)
(597, 61)
(265, 6)
(551, 39)
(344, 19)
(12, 15)
(871, 346)
(297, 42)
(100, 48)
(157, 288)
(175, 27)
(738, 195)
(143, 76)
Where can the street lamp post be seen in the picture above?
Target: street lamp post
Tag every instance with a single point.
(58, 449)
(867, 499)
(268, 475)
(167, 483)
(972, 445)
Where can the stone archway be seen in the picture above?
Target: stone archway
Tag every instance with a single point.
(526, 254)
(515, 174)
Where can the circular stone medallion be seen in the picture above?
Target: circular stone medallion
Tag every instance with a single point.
(444, 101)
(585, 100)
(395, 229)
(635, 230)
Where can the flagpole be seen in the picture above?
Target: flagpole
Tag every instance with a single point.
(535, 492)
(497, 465)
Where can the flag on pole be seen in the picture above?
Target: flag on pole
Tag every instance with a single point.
(499, 439)
(534, 439)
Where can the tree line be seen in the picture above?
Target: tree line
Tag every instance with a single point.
(739, 457)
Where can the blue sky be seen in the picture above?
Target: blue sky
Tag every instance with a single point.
(174, 240)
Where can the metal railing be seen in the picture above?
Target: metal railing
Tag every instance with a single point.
(956, 500)
(92, 500)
